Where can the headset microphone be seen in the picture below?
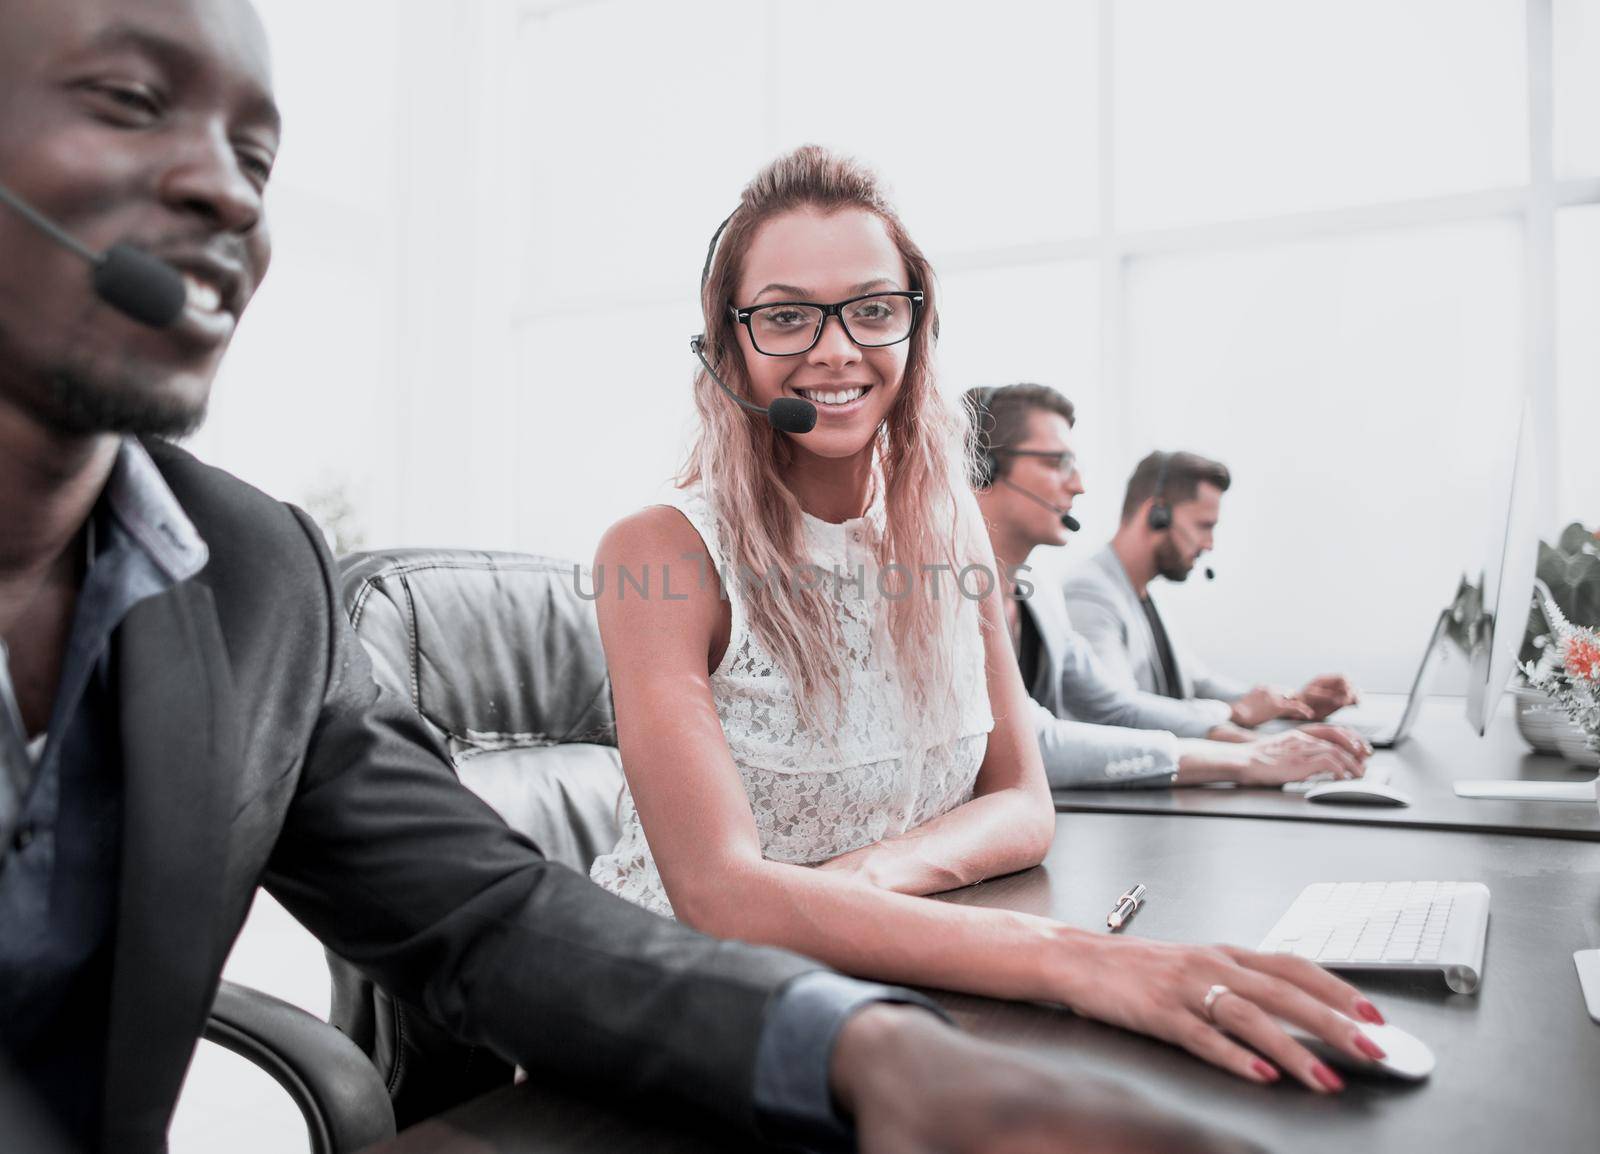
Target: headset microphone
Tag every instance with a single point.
(128, 279)
(986, 468)
(1068, 521)
(787, 414)
(1160, 515)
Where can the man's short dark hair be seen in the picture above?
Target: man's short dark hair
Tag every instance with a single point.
(1185, 473)
(999, 417)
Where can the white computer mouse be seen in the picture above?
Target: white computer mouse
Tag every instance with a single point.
(1404, 1056)
(1357, 791)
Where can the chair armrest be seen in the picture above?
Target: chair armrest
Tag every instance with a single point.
(335, 1085)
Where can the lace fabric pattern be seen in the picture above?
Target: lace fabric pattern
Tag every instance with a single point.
(877, 775)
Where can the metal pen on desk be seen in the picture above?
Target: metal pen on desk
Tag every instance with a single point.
(1127, 905)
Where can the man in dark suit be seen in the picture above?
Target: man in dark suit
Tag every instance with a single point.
(185, 714)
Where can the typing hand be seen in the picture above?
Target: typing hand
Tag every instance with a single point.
(1265, 703)
(1160, 988)
(1228, 731)
(916, 1086)
(1347, 739)
(1328, 693)
(1311, 751)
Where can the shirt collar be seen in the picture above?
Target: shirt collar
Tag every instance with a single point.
(145, 508)
(1112, 564)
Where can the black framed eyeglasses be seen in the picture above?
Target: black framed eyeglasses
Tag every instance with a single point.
(1065, 463)
(789, 328)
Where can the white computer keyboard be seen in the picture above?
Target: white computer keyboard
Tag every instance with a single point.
(1378, 774)
(1432, 926)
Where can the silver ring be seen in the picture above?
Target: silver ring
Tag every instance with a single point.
(1209, 1002)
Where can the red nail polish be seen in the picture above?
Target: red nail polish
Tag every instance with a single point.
(1327, 1077)
(1370, 1048)
(1369, 1013)
(1265, 1071)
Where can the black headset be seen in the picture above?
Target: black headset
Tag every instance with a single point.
(786, 414)
(697, 342)
(711, 249)
(1161, 512)
(986, 462)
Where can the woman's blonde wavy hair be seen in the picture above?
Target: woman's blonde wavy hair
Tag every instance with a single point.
(738, 459)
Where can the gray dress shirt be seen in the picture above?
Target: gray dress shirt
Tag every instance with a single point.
(60, 816)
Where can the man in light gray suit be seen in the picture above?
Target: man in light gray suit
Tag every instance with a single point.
(1169, 515)
(1095, 730)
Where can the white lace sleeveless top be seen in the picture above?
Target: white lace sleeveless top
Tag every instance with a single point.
(883, 775)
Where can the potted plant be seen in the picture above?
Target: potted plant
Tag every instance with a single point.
(1569, 576)
(1568, 670)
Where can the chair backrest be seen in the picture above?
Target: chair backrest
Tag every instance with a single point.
(495, 650)
(500, 654)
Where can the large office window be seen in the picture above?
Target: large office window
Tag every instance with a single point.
(1353, 384)
(1578, 363)
(1330, 243)
(1232, 109)
(1576, 82)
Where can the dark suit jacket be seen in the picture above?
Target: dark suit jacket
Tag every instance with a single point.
(259, 750)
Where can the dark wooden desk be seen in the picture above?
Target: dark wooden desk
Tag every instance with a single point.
(1441, 750)
(1519, 1062)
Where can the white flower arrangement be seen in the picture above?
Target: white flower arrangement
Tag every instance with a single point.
(1569, 671)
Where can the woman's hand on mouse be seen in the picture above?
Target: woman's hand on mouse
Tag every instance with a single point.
(1224, 1004)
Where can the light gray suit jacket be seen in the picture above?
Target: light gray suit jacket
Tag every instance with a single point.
(1107, 613)
(1094, 732)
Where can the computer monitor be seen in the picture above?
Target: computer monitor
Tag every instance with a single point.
(1507, 596)
(1508, 575)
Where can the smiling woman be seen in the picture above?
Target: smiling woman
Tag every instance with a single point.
(847, 718)
(814, 228)
(815, 739)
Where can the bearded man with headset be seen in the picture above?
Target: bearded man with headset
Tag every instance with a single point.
(1169, 516)
(1096, 727)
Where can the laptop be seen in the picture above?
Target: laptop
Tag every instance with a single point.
(1385, 724)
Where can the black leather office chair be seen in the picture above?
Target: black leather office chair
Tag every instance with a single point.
(502, 657)
(338, 1090)
(335, 1085)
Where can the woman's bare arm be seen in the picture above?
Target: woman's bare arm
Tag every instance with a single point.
(703, 837)
(1009, 822)
(697, 818)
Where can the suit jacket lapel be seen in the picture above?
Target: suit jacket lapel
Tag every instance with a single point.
(16, 766)
(1048, 604)
(180, 752)
(1133, 612)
